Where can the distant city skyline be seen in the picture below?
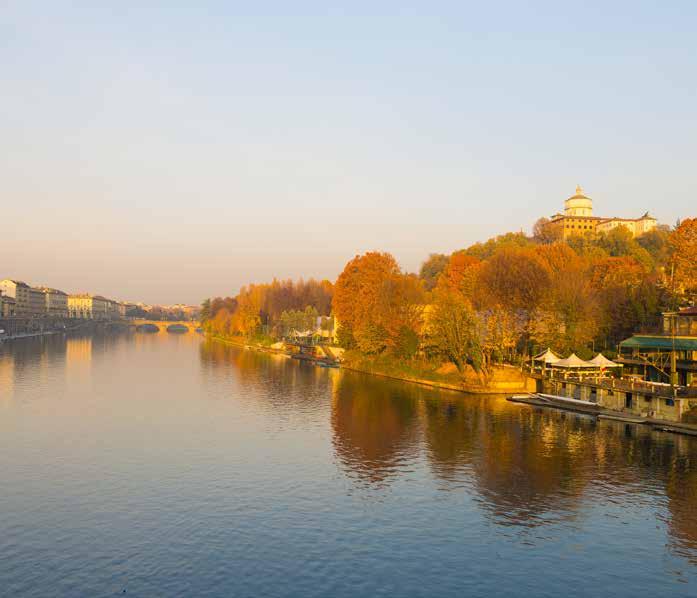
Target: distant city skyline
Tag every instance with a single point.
(167, 153)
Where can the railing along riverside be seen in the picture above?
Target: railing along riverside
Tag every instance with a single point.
(613, 383)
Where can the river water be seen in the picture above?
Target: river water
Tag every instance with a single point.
(166, 465)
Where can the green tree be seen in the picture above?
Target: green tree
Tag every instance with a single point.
(205, 311)
(454, 331)
(431, 269)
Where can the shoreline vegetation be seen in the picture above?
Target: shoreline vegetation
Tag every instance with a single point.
(469, 320)
(507, 379)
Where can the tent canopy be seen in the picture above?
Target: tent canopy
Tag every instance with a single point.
(547, 357)
(574, 361)
(601, 361)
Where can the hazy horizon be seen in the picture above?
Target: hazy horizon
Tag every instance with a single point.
(169, 153)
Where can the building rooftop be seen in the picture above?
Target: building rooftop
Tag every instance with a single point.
(17, 282)
(644, 217)
(579, 194)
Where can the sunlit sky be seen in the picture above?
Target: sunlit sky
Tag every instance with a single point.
(169, 151)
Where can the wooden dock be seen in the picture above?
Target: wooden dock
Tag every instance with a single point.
(565, 404)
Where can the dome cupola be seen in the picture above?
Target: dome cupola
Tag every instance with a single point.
(579, 204)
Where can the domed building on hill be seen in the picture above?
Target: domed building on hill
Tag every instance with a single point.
(578, 219)
(579, 204)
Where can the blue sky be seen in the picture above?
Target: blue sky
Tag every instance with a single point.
(169, 151)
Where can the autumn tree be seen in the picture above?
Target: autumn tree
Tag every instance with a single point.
(376, 305)
(454, 331)
(432, 268)
(205, 312)
(657, 243)
(461, 275)
(567, 320)
(516, 280)
(542, 232)
(487, 249)
(620, 242)
(620, 284)
(683, 242)
(356, 296)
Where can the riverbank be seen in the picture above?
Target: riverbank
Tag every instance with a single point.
(245, 344)
(503, 379)
(20, 335)
(19, 328)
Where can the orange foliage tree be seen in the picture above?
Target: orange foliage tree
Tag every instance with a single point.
(627, 295)
(377, 306)
(259, 307)
(568, 317)
(683, 242)
(515, 281)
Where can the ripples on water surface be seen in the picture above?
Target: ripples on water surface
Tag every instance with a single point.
(164, 465)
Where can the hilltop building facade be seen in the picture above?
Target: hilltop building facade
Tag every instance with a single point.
(578, 219)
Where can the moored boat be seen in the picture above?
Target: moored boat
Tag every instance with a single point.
(559, 402)
(628, 419)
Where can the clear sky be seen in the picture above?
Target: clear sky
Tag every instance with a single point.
(168, 151)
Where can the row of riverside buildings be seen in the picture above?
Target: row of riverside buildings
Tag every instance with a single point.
(21, 300)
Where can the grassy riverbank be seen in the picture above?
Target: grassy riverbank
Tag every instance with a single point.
(503, 379)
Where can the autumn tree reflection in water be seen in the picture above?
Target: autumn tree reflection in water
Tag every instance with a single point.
(375, 427)
(524, 467)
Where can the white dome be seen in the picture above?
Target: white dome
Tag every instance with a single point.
(579, 204)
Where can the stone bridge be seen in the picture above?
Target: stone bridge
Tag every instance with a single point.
(162, 324)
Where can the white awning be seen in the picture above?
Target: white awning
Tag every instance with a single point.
(547, 357)
(574, 361)
(601, 361)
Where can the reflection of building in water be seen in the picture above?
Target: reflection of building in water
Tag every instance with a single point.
(681, 489)
(35, 359)
(7, 374)
(78, 351)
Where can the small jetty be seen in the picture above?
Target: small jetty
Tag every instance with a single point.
(310, 346)
(598, 412)
(620, 417)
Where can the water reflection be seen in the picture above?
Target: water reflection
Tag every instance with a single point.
(282, 387)
(525, 467)
(38, 360)
(258, 457)
(375, 427)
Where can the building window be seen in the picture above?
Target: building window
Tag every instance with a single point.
(670, 403)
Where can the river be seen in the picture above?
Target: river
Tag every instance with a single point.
(167, 465)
